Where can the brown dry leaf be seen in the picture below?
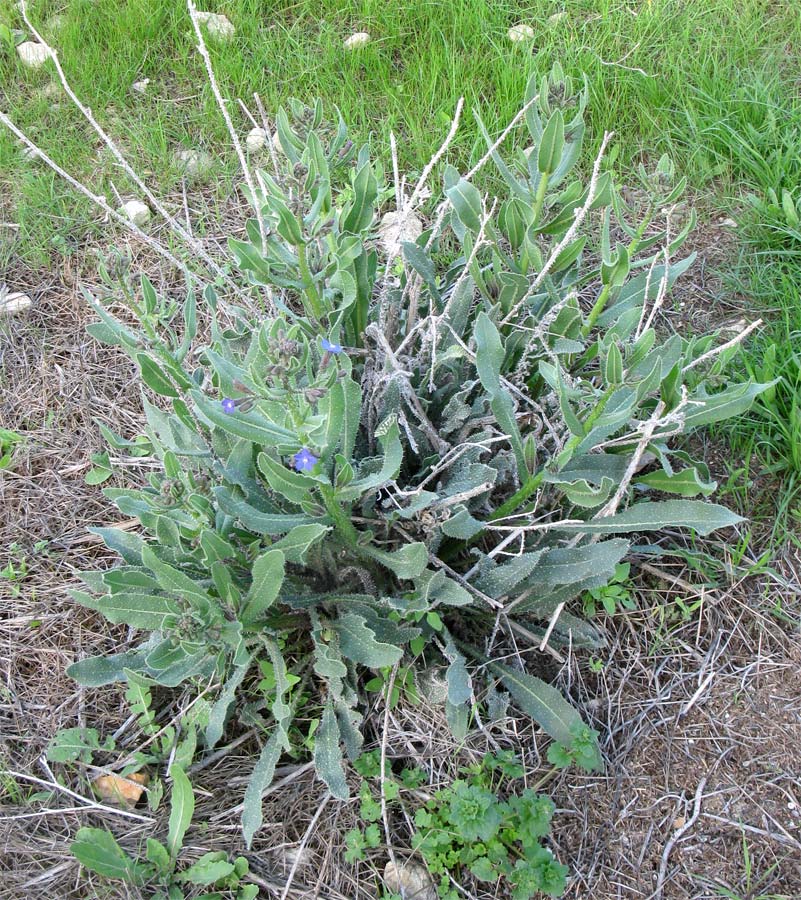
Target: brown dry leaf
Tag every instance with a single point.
(123, 791)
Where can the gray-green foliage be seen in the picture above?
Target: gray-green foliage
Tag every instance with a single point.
(495, 432)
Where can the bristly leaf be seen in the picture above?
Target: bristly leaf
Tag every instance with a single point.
(182, 808)
(96, 849)
(359, 643)
(328, 755)
(268, 576)
(260, 780)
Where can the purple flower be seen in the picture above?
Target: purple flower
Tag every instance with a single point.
(330, 347)
(228, 405)
(304, 460)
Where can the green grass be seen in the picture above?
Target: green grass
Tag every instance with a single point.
(711, 82)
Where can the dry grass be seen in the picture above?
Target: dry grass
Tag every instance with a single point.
(700, 716)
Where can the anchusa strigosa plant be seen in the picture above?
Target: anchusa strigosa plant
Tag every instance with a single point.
(370, 458)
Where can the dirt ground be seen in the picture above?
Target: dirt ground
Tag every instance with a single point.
(698, 698)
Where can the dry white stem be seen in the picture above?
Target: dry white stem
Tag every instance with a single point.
(399, 198)
(201, 45)
(384, 738)
(661, 293)
(716, 351)
(579, 217)
(302, 847)
(268, 128)
(194, 245)
(438, 155)
(97, 199)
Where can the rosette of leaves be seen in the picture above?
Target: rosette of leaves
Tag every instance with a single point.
(362, 455)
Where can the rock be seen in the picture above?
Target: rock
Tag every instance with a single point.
(728, 223)
(557, 17)
(137, 212)
(29, 154)
(256, 140)
(32, 54)
(520, 32)
(11, 304)
(56, 23)
(410, 880)
(359, 39)
(194, 163)
(140, 87)
(397, 227)
(218, 27)
(122, 791)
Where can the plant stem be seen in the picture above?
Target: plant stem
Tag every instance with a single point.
(539, 199)
(342, 521)
(309, 287)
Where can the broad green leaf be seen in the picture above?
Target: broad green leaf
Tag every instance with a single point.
(220, 707)
(501, 580)
(462, 525)
(128, 544)
(71, 744)
(435, 588)
(408, 562)
(254, 519)
(359, 643)
(365, 192)
(687, 482)
(552, 143)
(460, 687)
(268, 576)
(143, 611)
(209, 869)
(696, 514)
(328, 755)
(543, 703)
(300, 540)
(260, 779)
(96, 849)
(182, 808)
(704, 409)
(154, 377)
(292, 485)
(252, 426)
(567, 565)
(466, 202)
(97, 671)
(175, 582)
(393, 457)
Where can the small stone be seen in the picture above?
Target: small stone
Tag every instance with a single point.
(410, 880)
(218, 27)
(56, 22)
(359, 39)
(728, 223)
(256, 139)
(194, 163)
(140, 87)
(137, 212)
(397, 227)
(520, 32)
(122, 791)
(10, 304)
(557, 17)
(32, 54)
(29, 154)
(52, 91)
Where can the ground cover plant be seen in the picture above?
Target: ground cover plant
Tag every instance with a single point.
(373, 606)
(374, 446)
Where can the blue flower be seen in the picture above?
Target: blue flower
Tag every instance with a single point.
(304, 460)
(229, 405)
(330, 347)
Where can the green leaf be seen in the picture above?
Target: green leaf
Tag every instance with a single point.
(209, 869)
(299, 541)
(222, 704)
(143, 611)
(175, 582)
(252, 426)
(393, 457)
(543, 703)
(466, 202)
(96, 849)
(154, 377)
(182, 808)
(408, 562)
(687, 482)
(126, 543)
(696, 514)
(260, 780)
(365, 192)
(551, 144)
(460, 687)
(254, 519)
(292, 485)
(328, 756)
(268, 576)
(359, 643)
(705, 409)
(157, 854)
(501, 580)
(97, 671)
(71, 744)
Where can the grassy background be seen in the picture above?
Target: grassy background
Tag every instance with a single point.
(712, 82)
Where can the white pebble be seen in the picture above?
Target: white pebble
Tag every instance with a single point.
(14, 303)
(395, 228)
(140, 87)
(32, 54)
(194, 163)
(218, 27)
(556, 18)
(256, 139)
(520, 32)
(137, 212)
(359, 39)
